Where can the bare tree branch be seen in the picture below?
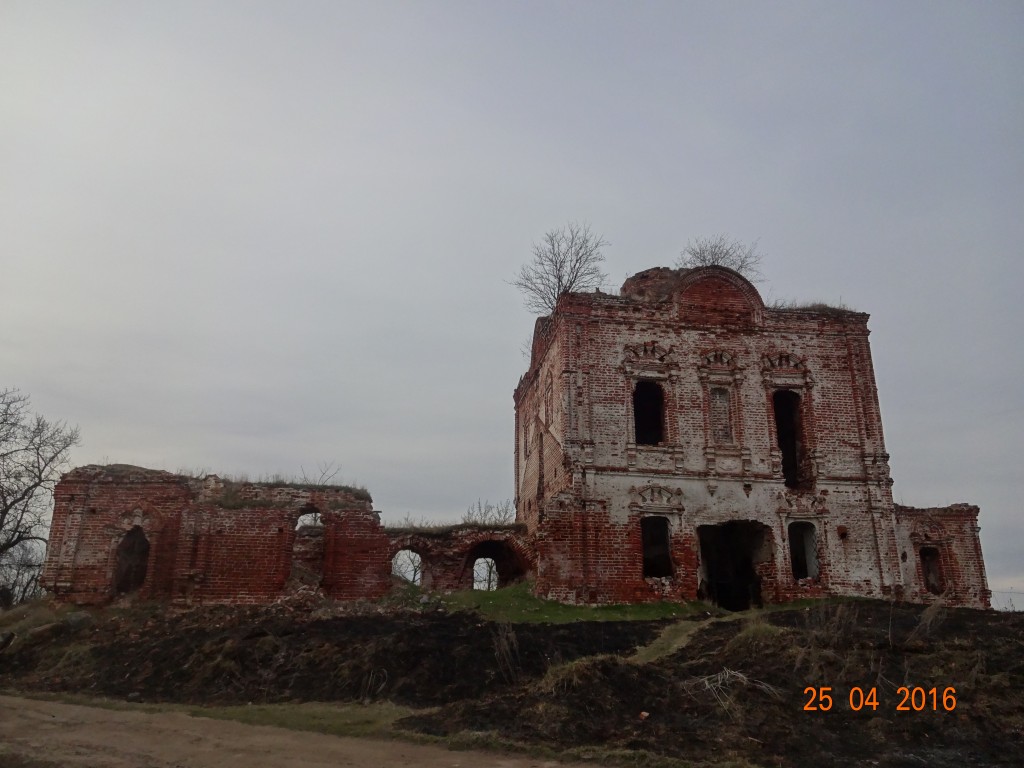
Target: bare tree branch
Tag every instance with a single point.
(328, 470)
(565, 260)
(408, 566)
(486, 513)
(723, 251)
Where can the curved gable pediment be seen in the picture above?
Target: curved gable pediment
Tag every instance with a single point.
(718, 296)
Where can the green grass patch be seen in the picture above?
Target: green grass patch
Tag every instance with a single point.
(516, 604)
(671, 639)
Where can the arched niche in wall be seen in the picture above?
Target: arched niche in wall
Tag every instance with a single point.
(721, 379)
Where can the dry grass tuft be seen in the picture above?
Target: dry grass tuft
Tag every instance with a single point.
(719, 687)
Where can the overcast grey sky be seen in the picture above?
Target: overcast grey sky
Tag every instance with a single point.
(250, 236)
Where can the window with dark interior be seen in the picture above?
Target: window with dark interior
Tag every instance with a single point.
(654, 533)
(788, 430)
(132, 561)
(931, 569)
(649, 412)
(721, 416)
(803, 550)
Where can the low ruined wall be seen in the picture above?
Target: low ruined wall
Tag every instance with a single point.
(943, 543)
(119, 529)
(447, 554)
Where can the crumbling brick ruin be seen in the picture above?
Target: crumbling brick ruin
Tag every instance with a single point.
(683, 440)
(121, 529)
(678, 441)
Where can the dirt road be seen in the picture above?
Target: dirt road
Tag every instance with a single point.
(87, 737)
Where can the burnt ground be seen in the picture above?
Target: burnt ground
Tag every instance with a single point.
(266, 655)
(734, 691)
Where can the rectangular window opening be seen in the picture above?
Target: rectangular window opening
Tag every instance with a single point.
(656, 547)
(931, 569)
(789, 431)
(649, 412)
(803, 550)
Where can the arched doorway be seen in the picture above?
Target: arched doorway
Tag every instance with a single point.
(493, 565)
(132, 561)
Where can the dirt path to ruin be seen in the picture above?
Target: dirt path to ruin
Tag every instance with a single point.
(89, 737)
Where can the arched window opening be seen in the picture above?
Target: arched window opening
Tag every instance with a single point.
(656, 547)
(649, 413)
(803, 550)
(493, 565)
(310, 516)
(931, 570)
(789, 432)
(407, 567)
(132, 561)
(485, 574)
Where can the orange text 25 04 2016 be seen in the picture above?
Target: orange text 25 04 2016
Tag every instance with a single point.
(916, 699)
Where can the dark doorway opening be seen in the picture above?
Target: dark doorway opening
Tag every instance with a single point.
(655, 538)
(729, 555)
(649, 412)
(803, 550)
(308, 548)
(132, 561)
(931, 569)
(506, 566)
(789, 431)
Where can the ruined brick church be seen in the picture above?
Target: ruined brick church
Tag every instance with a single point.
(678, 441)
(683, 440)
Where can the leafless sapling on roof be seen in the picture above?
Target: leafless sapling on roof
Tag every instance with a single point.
(723, 251)
(565, 260)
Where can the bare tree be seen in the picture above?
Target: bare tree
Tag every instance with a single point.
(19, 573)
(567, 259)
(486, 513)
(723, 251)
(33, 453)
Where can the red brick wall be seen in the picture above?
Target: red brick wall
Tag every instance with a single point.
(219, 542)
(447, 555)
(210, 541)
(691, 331)
(953, 532)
